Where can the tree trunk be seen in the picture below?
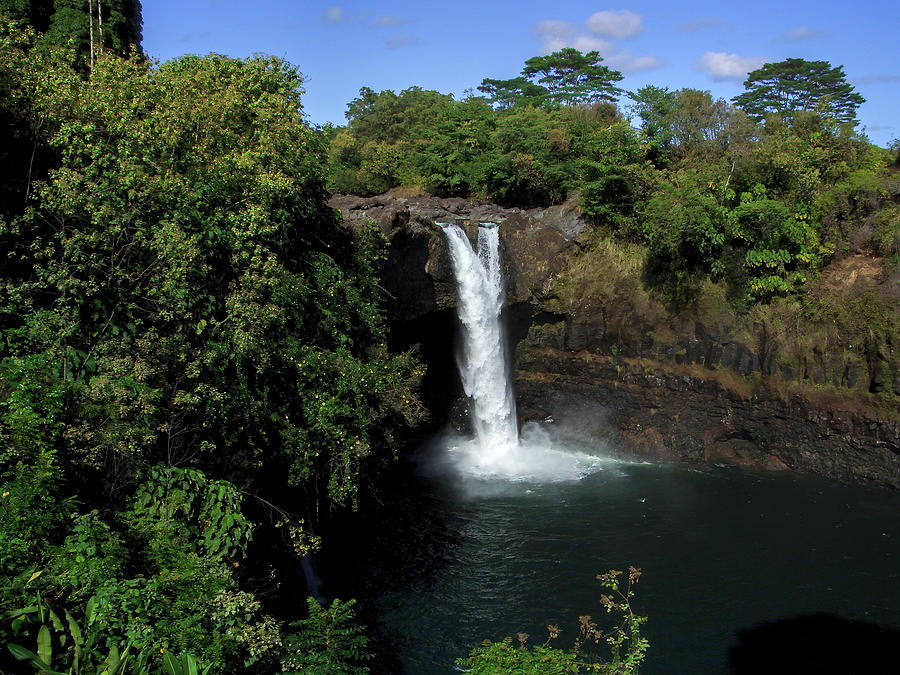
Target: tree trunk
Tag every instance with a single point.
(100, 22)
(91, 30)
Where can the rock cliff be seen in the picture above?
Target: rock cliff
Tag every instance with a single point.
(700, 384)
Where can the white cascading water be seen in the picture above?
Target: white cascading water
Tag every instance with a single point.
(483, 364)
(496, 452)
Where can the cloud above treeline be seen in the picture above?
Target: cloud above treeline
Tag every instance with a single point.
(594, 35)
(554, 35)
(336, 16)
(723, 66)
(705, 22)
(878, 78)
(801, 33)
(621, 23)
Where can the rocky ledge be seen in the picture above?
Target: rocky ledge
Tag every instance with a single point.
(650, 411)
(537, 245)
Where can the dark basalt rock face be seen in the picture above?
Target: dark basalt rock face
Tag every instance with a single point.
(537, 245)
(665, 416)
(619, 376)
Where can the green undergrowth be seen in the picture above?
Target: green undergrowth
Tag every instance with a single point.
(616, 650)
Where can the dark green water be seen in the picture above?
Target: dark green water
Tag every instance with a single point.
(720, 549)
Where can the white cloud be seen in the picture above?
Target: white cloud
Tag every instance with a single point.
(705, 22)
(801, 33)
(620, 24)
(878, 77)
(389, 20)
(337, 16)
(589, 43)
(551, 30)
(722, 66)
(398, 41)
(628, 63)
(555, 35)
(334, 15)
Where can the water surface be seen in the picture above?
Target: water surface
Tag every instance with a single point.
(720, 549)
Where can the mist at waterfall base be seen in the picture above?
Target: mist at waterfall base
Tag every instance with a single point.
(509, 533)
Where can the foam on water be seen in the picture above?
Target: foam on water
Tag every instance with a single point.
(536, 458)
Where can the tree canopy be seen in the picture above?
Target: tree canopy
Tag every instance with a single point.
(708, 189)
(572, 77)
(794, 85)
(506, 93)
(92, 27)
(187, 328)
(567, 77)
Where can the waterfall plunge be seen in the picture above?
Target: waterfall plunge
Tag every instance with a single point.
(496, 451)
(483, 364)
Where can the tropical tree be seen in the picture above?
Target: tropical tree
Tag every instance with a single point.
(793, 85)
(573, 77)
(654, 106)
(506, 93)
(528, 160)
(184, 326)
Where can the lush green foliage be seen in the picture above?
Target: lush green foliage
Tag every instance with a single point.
(90, 28)
(192, 355)
(795, 85)
(328, 642)
(415, 138)
(189, 342)
(626, 646)
(573, 78)
(709, 190)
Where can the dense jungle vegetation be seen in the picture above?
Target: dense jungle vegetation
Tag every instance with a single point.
(759, 195)
(193, 360)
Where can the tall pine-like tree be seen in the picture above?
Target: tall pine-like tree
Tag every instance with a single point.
(573, 77)
(793, 85)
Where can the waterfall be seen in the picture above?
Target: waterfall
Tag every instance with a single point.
(496, 452)
(482, 362)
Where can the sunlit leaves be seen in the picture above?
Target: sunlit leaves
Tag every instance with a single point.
(793, 85)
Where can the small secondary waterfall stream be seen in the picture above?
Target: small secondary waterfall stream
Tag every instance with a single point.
(483, 363)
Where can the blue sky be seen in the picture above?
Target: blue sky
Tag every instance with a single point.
(452, 46)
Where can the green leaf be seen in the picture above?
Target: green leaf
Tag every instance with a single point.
(170, 665)
(23, 654)
(77, 639)
(56, 623)
(45, 648)
(74, 629)
(19, 612)
(111, 664)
